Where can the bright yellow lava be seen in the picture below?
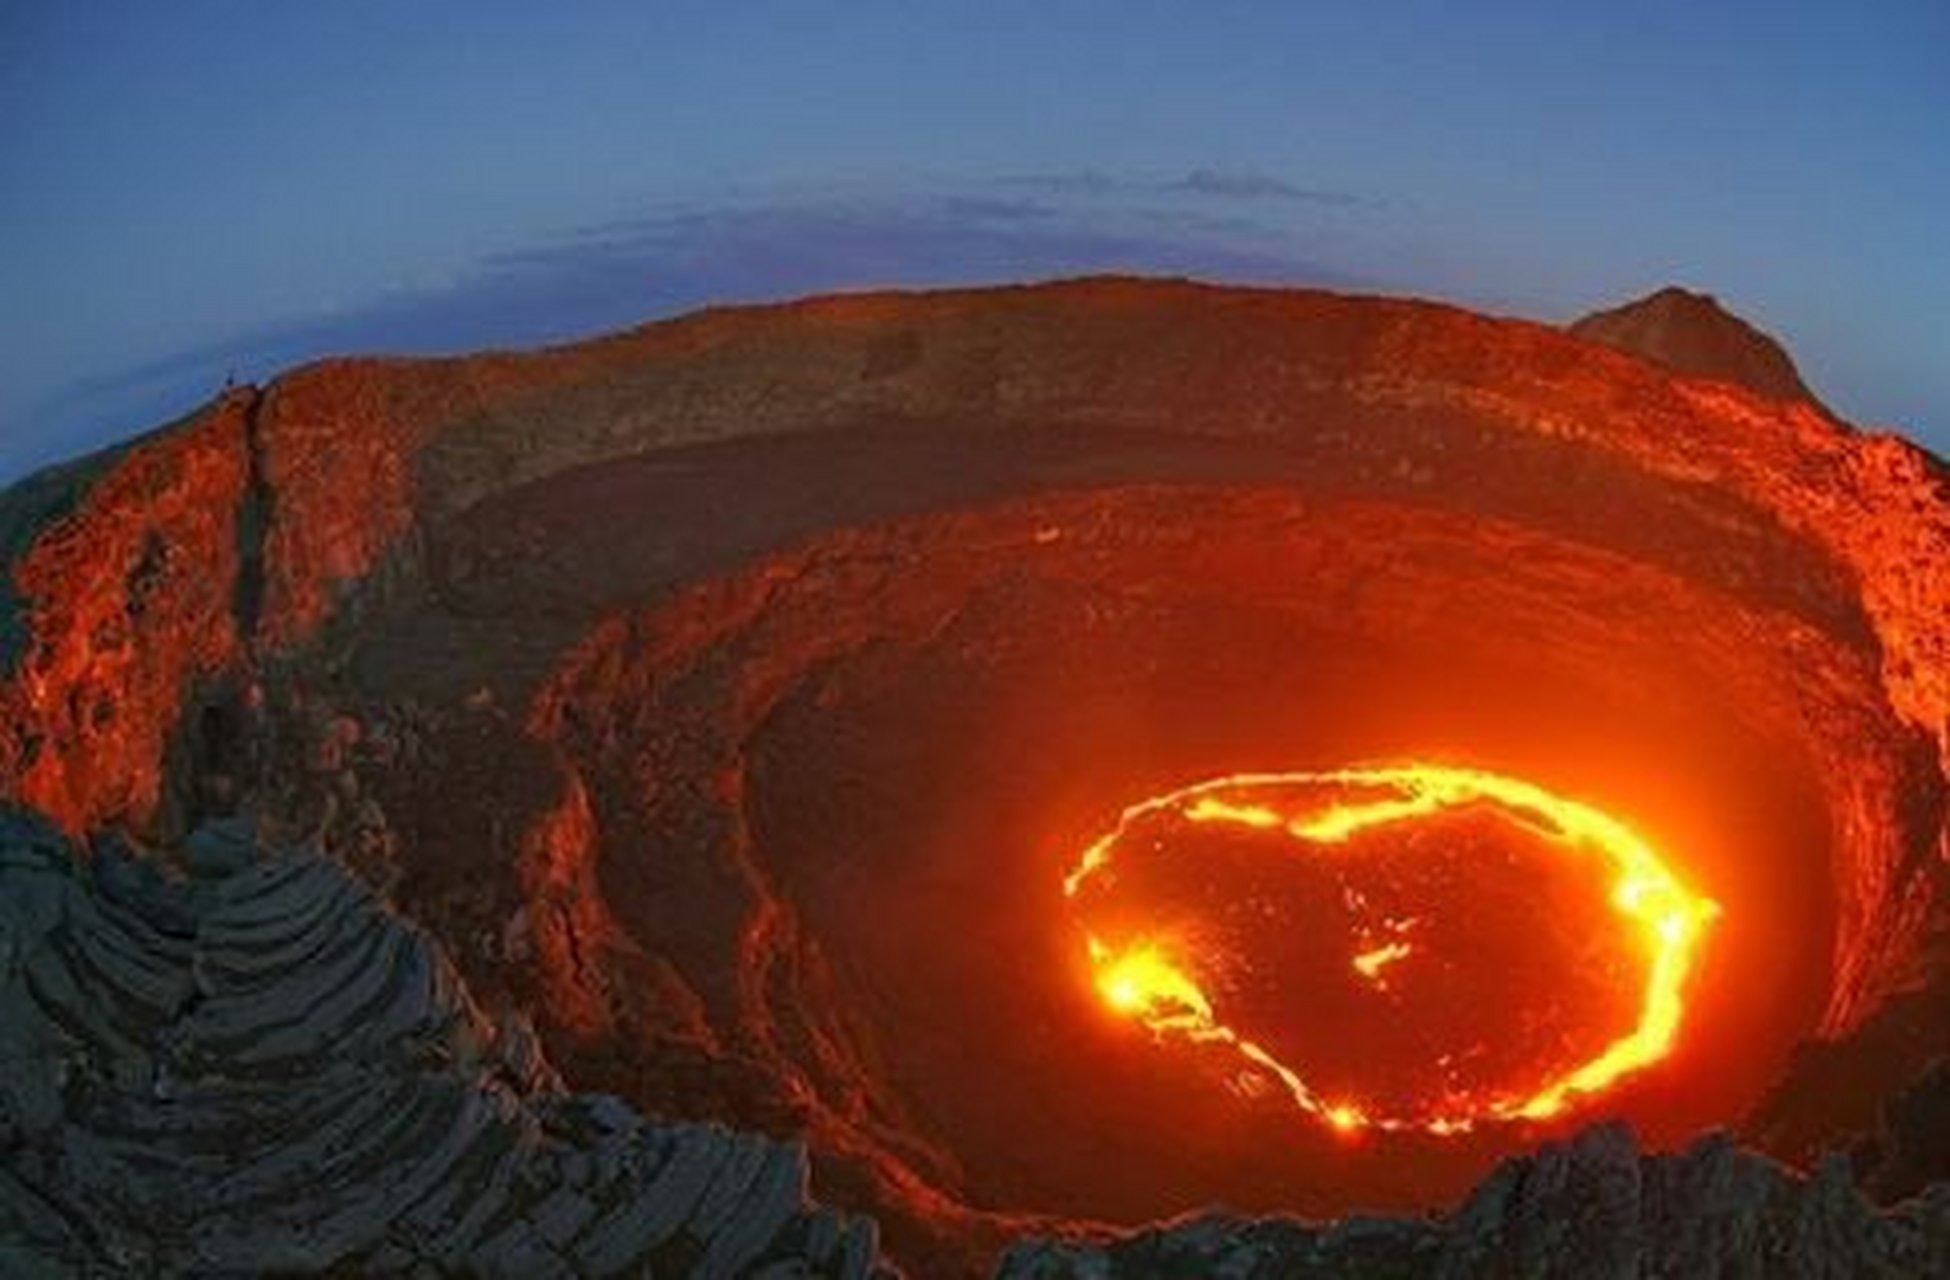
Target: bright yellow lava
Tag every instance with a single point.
(1370, 963)
(1147, 982)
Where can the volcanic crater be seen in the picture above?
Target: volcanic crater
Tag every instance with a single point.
(731, 699)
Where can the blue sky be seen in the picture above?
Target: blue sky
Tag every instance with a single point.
(192, 188)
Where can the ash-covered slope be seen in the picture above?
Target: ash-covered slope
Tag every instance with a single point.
(723, 696)
(1691, 333)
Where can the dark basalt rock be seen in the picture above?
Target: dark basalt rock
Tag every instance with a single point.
(257, 1069)
(1907, 1153)
(1593, 1207)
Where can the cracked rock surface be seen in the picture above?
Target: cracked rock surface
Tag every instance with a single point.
(254, 1069)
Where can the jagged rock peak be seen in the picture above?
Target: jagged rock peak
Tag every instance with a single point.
(1693, 334)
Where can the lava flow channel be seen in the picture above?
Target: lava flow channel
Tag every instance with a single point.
(1164, 976)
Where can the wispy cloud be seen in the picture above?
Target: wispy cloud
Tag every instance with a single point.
(1209, 184)
(1239, 185)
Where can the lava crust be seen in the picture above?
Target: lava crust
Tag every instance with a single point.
(732, 696)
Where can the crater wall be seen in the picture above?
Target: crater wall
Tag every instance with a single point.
(721, 692)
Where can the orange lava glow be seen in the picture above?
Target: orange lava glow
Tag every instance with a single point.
(1156, 980)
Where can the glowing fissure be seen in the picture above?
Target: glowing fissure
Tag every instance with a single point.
(1150, 981)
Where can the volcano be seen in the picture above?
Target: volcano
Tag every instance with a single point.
(1062, 756)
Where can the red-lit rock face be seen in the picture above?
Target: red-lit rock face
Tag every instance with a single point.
(739, 693)
(127, 575)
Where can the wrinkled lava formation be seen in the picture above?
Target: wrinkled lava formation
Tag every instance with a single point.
(733, 698)
(1486, 883)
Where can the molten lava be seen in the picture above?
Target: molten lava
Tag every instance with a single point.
(1369, 964)
(1157, 963)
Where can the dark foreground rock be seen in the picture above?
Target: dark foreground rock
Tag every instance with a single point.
(257, 1069)
(1593, 1207)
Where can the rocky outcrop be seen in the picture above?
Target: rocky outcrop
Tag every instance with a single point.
(1592, 1207)
(255, 1068)
(123, 592)
(1691, 333)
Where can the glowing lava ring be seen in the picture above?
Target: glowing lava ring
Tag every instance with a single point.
(1148, 979)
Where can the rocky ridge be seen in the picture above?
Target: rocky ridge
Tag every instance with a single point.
(1593, 1207)
(256, 1069)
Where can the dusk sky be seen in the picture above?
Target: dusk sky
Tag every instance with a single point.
(191, 189)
